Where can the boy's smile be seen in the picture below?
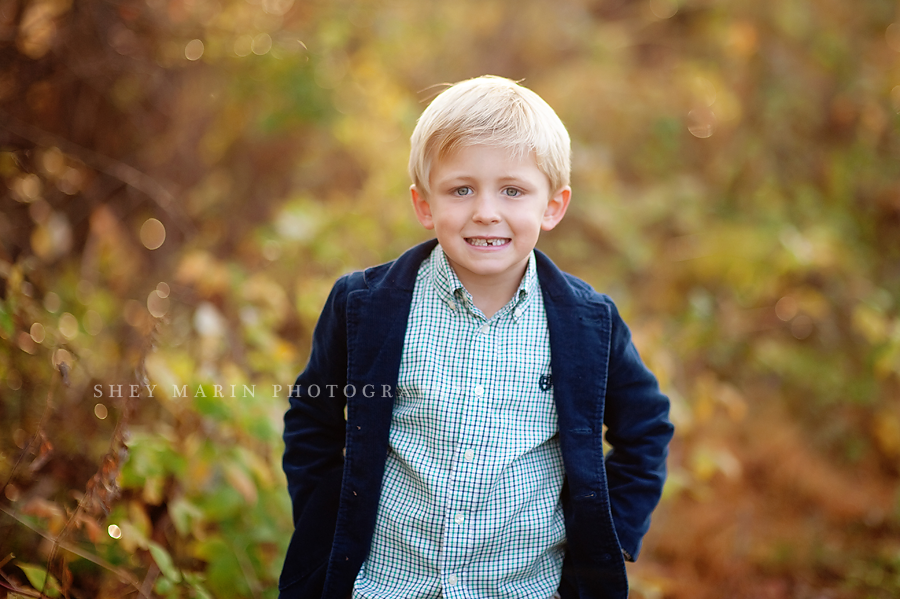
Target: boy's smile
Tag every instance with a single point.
(487, 207)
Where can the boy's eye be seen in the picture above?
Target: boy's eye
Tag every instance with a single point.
(512, 192)
(463, 191)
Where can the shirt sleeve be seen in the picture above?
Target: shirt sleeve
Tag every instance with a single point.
(639, 431)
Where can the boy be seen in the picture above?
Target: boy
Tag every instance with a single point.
(465, 467)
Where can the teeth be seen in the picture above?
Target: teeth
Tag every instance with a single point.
(485, 242)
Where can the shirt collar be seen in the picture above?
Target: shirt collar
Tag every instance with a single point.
(452, 292)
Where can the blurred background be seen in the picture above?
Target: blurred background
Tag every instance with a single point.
(183, 181)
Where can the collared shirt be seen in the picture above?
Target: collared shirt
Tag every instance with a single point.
(470, 500)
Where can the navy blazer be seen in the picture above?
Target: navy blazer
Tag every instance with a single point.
(598, 378)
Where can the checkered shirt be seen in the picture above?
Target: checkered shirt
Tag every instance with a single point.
(470, 497)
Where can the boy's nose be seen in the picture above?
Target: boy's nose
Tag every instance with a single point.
(486, 211)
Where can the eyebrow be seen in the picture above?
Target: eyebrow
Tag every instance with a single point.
(464, 177)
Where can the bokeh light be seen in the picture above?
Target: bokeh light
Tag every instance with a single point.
(37, 332)
(63, 356)
(786, 308)
(261, 44)
(663, 9)
(157, 304)
(802, 326)
(892, 37)
(13, 380)
(701, 122)
(243, 45)
(101, 411)
(68, 325)
(193, 50)
(52, 302)
(153, 234)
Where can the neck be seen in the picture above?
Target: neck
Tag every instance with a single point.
(490, 293)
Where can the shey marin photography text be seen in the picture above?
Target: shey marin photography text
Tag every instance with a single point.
(313, 391)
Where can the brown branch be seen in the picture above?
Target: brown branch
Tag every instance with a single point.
(102, 487)
(124, 575)
(125, 173)
(39, 431)
(149, 580)
(11, 586)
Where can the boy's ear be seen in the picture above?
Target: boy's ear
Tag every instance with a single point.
(556, 208)
(422, 208)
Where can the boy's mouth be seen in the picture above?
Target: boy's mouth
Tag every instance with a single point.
(487, 241)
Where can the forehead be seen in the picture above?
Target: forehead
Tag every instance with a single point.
(485, 155)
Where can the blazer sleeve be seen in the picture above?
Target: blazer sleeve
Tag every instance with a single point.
(314, 424)
(639, 431)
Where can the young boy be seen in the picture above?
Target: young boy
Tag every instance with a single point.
(477, 379)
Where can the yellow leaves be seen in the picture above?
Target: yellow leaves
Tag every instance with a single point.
(200, 269)
(264, 292)
(707, 461)
(882, 332)
(300, 220)
(886, 433)
(259, 468)
(37, 31)
(311, 293)
(742, 39)
(137, 515)
(217, 140)
(714, 408)
(238, 478)
(90, 526)
(52, 237)
(284, 352)
(48, 510)
(871, 322)
(248, 473)
(819, 246)
(110, 250)
(711, 396)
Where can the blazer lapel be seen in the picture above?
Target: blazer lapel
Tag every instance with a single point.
(580, 328)
(580, 324)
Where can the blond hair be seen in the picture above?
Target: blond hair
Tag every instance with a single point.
(493, 111)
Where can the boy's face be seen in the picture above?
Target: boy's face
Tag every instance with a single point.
(487, 208)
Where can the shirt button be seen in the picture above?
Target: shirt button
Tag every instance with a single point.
(479, 390)
(459, 518)
(484, 329)
(452, 579)
(469, 455)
